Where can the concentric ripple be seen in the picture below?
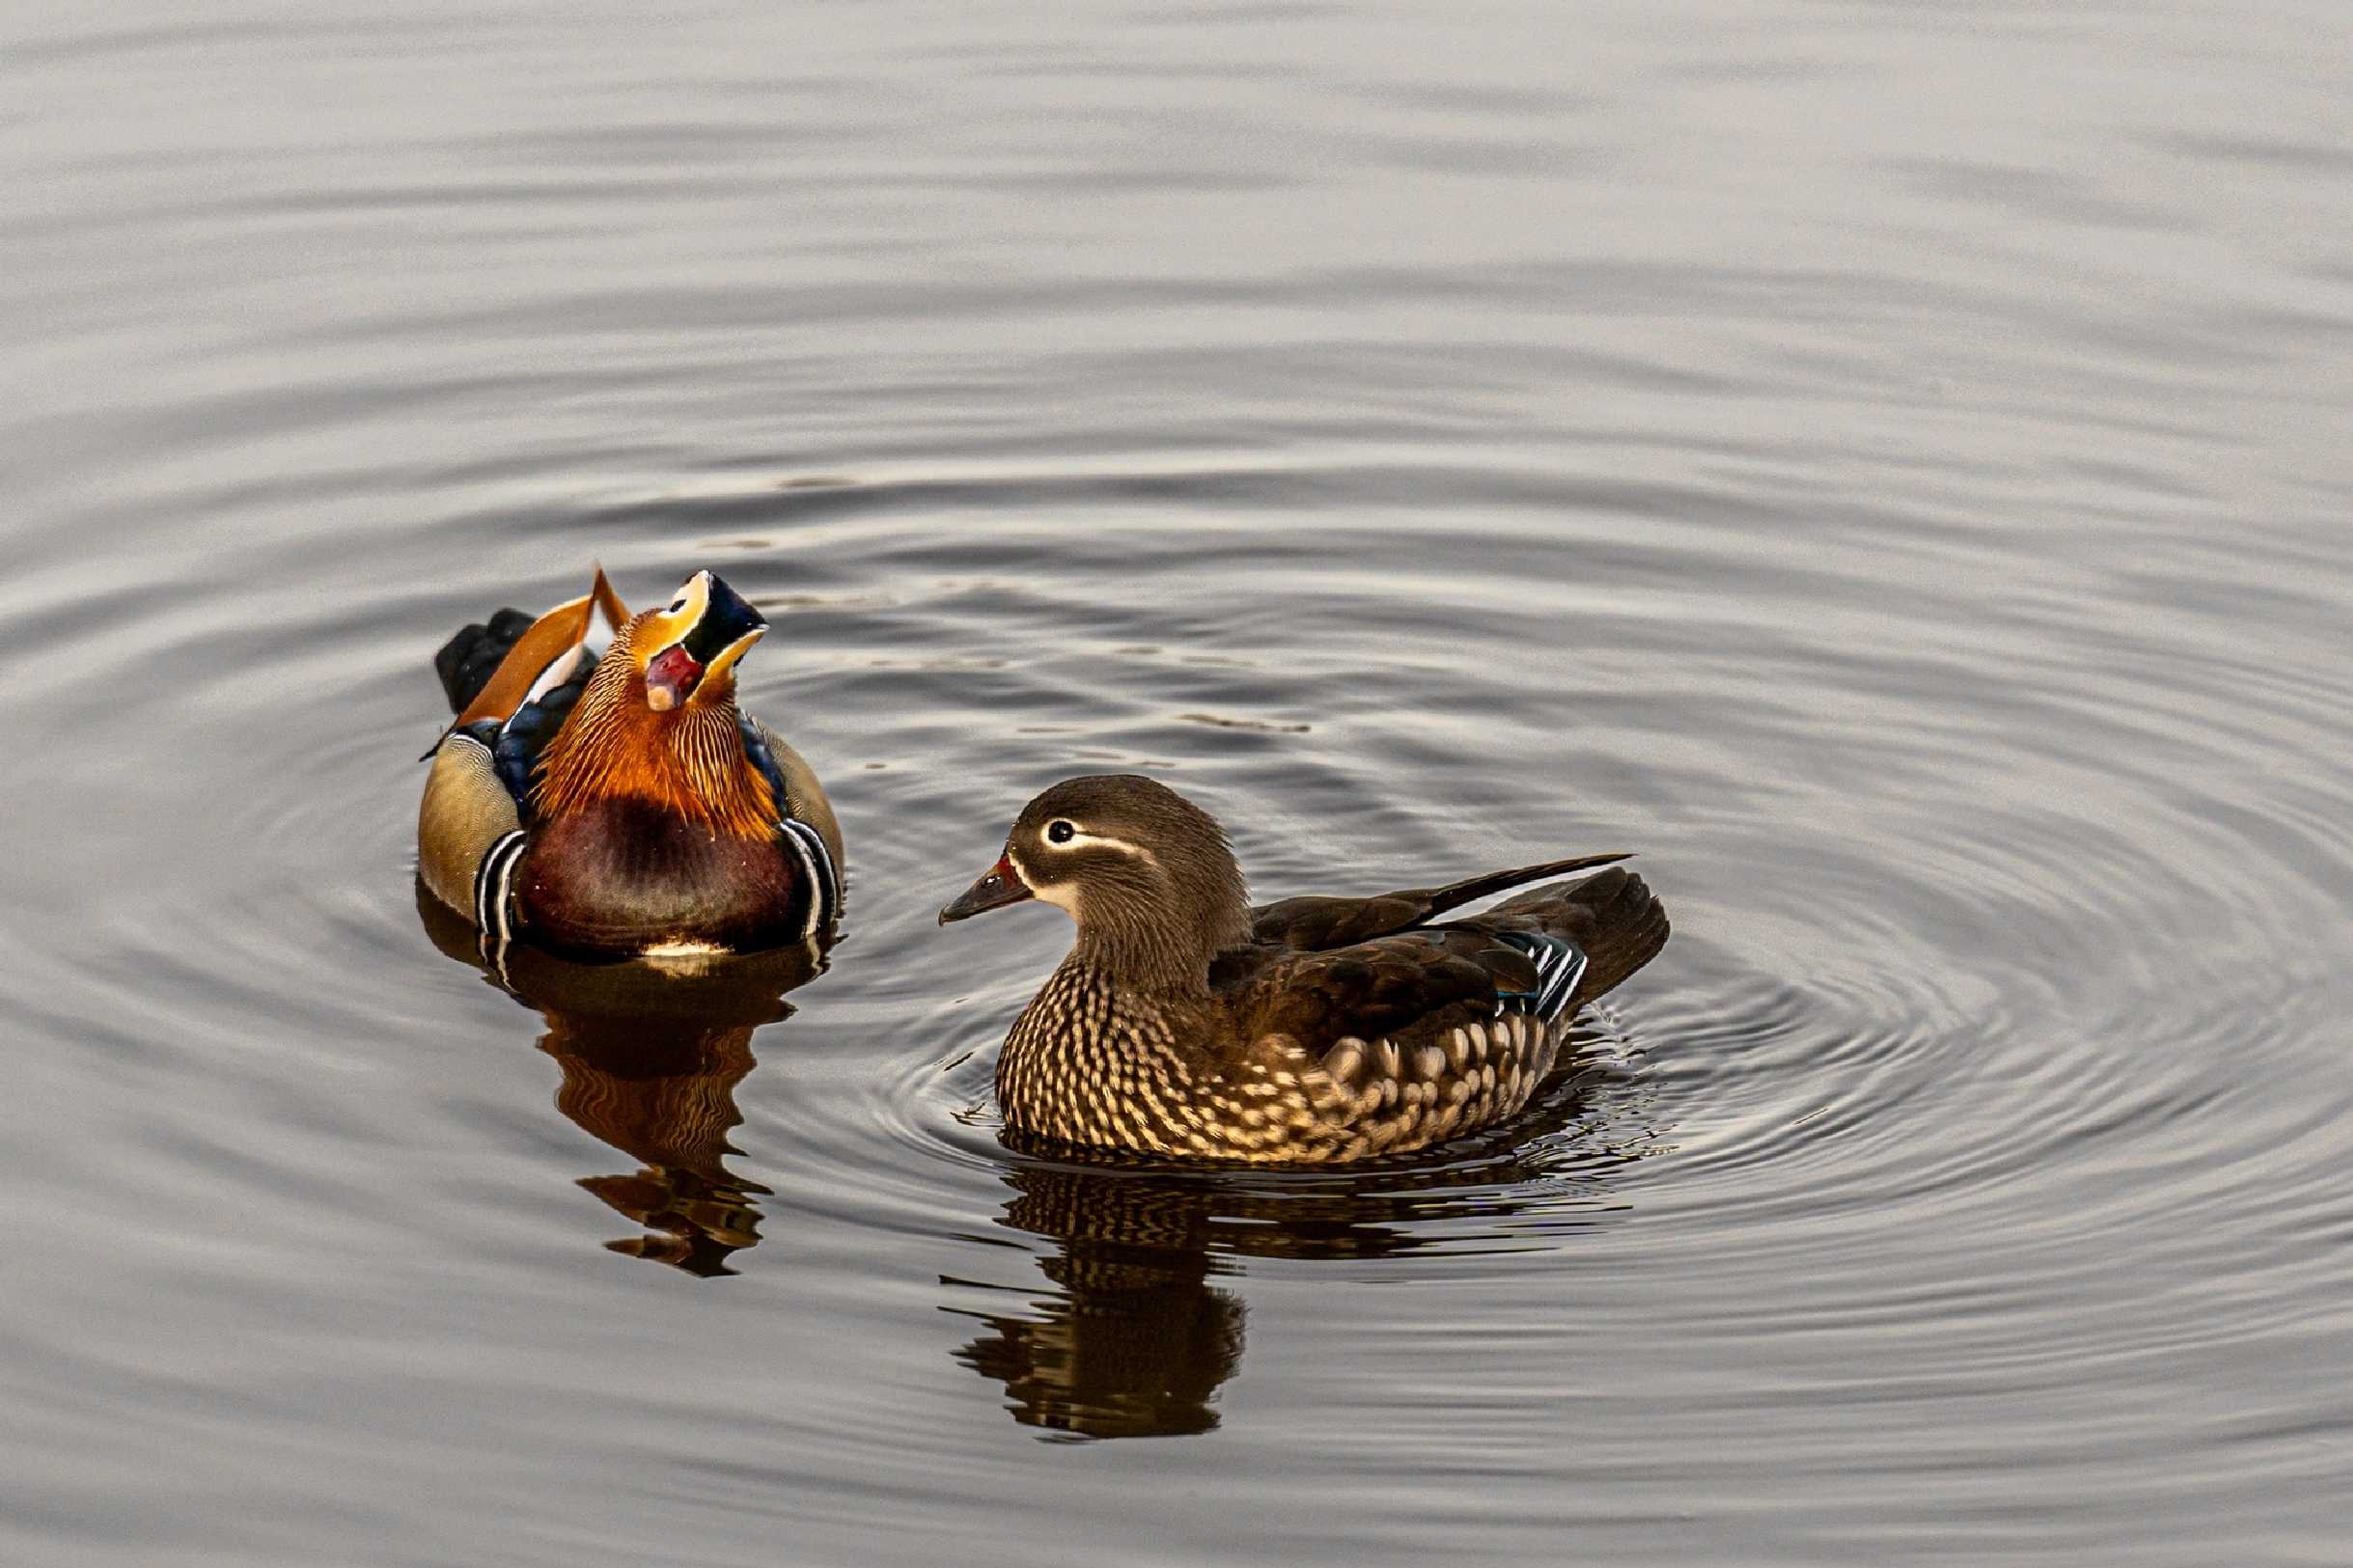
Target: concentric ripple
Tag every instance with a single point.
(1886, 470)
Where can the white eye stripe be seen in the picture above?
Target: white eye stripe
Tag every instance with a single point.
(1081, 839)
(691, 600)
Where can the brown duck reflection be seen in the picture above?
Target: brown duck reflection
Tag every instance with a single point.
(666, 1098)
(650, 1061)
(1138, 1337)
(1136, 1341)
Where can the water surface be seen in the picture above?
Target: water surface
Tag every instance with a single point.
(1888, 466)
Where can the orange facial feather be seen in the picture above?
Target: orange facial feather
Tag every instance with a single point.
(689, 761)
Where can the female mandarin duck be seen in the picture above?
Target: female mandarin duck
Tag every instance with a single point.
(1186, 1022)
(598, 793)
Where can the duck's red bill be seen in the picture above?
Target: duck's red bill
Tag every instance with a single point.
(671, 679)
(1001, 885)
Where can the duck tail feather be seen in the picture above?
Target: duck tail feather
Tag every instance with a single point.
(1615, 917)
(469, 659)
(1454, 895)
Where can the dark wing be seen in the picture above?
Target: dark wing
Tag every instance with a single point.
(1315, 922)
(1405, 987)
(1461, 1007)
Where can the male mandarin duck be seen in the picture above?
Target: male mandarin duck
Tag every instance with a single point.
(1318, 1030)
(598, 794)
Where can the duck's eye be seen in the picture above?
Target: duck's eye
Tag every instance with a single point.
(1060, 832)
(676, 605)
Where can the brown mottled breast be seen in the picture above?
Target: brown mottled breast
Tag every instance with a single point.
(625, 874)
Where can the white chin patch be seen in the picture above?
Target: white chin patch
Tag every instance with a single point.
(1060, 895)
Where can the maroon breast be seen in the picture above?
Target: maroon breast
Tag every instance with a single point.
(624, 875)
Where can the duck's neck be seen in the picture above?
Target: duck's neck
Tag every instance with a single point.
(1151, 958)
(689, 762)
(1159, 937)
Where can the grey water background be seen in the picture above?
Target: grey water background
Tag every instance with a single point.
(1886, 464)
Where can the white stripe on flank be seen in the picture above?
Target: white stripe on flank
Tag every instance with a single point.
(493, 903)
(817, 867)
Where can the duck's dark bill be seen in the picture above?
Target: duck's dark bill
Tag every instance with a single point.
(1002, 886)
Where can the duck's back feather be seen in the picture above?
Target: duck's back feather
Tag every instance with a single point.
(1546, 952)
(1391, 986)
(493, 670)
(1316, 922)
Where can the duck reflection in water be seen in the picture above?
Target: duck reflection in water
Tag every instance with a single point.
(1136, 1343)
(651, 1060)
(1139, 1336)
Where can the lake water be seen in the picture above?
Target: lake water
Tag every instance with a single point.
(1888, 466)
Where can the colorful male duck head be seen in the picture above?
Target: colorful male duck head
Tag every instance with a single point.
(686, 653)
